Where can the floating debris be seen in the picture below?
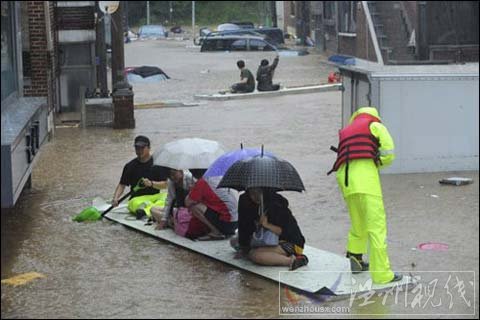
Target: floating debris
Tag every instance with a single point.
(433, 246)
(22, 279)
(456, 181)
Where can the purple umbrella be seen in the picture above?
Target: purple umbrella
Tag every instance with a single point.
(224, 162)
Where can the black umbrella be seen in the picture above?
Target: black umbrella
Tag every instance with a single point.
(262, 172)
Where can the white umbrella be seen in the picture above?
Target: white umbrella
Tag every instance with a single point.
(190, 153)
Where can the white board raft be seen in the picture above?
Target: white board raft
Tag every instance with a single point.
(265, 94)
(326, 274)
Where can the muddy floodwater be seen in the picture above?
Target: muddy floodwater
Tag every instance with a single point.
(104, 270)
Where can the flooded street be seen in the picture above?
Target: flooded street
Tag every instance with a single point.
(114, 271)
(104, 270)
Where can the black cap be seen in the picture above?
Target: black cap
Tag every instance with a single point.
(142, 141)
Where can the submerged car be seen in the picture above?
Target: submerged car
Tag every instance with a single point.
(244, 24)
(152, 32)
(236, 43)
(273, 35)
(239, 32)
(227, 26)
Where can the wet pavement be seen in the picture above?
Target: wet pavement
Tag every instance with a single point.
(103, 270)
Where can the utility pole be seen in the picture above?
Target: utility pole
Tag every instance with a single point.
(193, 21)
(101, 54)
(122, 94)
(273, 8)
(118, 57)
(148, 12)
(266, 10)
(125, 13)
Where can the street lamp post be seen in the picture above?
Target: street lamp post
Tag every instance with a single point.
(193, 21)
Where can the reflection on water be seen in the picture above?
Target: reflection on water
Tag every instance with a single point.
(102, 269)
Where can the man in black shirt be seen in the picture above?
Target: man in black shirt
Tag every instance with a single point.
(247, 81)
(141, 171)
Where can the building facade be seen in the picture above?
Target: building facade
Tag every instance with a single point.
(29, 95)
(392, 32)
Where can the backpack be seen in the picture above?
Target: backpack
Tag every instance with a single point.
(181, 220)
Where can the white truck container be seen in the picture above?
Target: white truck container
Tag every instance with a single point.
(431, 112)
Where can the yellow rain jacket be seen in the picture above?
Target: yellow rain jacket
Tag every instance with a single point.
(363, 196)
(363, 173)
(146, 202)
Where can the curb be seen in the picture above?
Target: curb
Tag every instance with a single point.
(166, 104)
(264, 94)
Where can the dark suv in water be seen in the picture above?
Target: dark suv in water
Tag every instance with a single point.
(236, 43)
(240, 32)
(272, 35)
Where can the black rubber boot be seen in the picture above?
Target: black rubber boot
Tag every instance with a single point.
(397, 277)
(140, 213)
(357, 264)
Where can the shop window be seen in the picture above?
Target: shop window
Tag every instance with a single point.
(9, 76)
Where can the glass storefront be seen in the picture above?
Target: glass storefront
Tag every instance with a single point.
(9, 76)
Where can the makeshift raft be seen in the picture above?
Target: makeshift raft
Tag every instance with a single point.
(265, 94)
(326, 273)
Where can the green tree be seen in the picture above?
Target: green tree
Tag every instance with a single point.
(206, 12)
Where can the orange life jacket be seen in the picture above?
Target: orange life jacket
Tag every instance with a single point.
(356, 142)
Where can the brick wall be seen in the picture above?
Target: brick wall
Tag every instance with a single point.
(454, 26)
(364, 45)
(38, 50)
(347, 45)
(43, 62)
(412, 12)
(75, 18)
(462, 53)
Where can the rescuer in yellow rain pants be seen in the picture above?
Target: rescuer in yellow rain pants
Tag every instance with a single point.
(359, 158)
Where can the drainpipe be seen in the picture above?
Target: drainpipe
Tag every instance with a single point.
(50, 75)
(48, 27)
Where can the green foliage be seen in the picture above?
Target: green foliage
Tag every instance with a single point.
(215, 12)
(209, 13)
